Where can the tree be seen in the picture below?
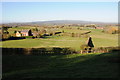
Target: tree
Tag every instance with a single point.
(73, 34)
(90, 43)
(111, 30)
(91, 25)
(15, 31)
(36, 29)
(5, 30)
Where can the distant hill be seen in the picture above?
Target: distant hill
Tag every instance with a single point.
(61, 22)
(58, 22)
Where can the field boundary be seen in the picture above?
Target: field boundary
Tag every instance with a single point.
(53, 50)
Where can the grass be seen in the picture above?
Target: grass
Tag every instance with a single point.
(97, 65)
(74, 30)
(99, 39)
(11, 30)
(48, 42)
(60, 66)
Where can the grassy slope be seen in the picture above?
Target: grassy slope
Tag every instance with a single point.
(104, 39)
(99, 39)
(60, 66)
(50, 42)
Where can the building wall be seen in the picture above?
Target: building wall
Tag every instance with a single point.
(18, 34)
(25, 34)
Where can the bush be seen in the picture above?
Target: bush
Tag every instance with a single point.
(68, 51)
(111, 30)
(28, 36)
(84, 47)
(57, 50)
(73, 34)
(6, 36)
(38, 51)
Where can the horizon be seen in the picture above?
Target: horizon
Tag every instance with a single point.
(59, 20)
(20, 12)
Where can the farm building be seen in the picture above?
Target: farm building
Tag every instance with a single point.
(24, 33)
(18, 34)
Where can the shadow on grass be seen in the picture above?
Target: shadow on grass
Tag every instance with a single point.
(13, 38)
(38, 51)
(60, 66)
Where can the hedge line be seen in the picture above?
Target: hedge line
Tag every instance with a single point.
(54, 50)
(37, 51)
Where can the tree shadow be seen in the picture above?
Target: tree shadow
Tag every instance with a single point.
(62, 66)
(13, 38)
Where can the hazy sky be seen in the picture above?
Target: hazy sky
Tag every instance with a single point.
(44, 11)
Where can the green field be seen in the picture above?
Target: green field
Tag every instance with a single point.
(99, 39)
(98, 65)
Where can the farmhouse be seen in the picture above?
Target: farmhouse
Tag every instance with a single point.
(18, 34)
(24, 33)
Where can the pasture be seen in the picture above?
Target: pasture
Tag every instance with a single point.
(99, 39)
(97, 65)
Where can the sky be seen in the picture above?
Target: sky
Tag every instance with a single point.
(60, 0)
(46, 11)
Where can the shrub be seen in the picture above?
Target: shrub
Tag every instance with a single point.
(68, 51)
(111, 30)
(84, 47)
(38, 51)
(57, 50)
(28, 36)
(73, 34)
(6, 36)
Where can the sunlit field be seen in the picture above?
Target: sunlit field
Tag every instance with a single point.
(99, 38)
(51, 40)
